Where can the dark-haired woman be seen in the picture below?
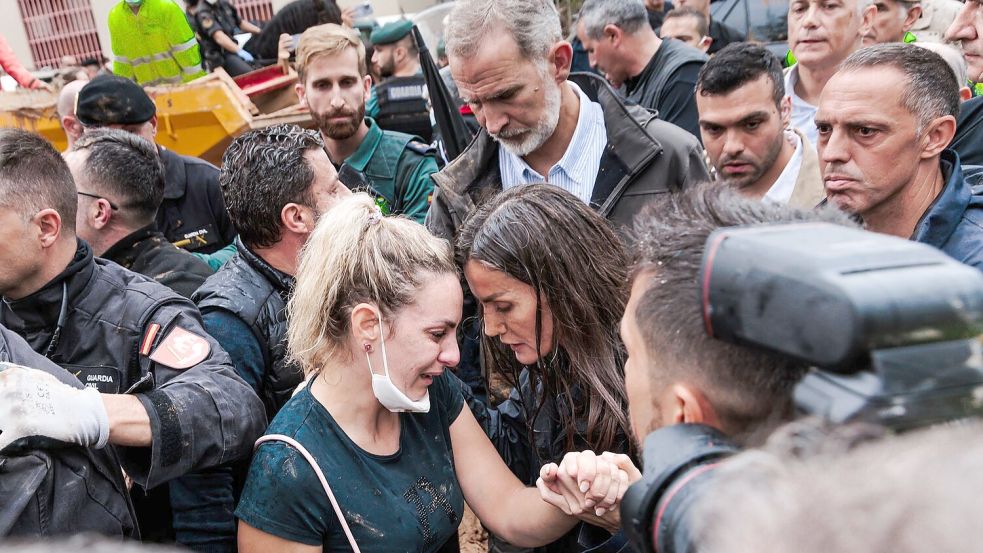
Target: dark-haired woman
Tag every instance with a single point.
(549, 275)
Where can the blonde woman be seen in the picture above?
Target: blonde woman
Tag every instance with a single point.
(372, 321)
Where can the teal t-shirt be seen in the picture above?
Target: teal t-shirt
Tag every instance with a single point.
(408, 501)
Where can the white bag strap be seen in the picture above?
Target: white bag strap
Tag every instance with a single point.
(320, 476)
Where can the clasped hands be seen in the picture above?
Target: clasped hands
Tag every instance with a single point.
(589, 486)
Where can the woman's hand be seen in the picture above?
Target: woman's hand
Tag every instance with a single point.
(588, 486)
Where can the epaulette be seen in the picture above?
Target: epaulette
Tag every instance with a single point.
(420, 148)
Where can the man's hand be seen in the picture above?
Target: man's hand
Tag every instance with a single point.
(34, 403)
(585, 486)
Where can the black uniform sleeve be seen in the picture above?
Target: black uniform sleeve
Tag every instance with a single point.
(200, 416)
(207, 24)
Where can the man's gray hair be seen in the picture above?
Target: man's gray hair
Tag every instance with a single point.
(534, 24)
(931, 89)
(627, 15)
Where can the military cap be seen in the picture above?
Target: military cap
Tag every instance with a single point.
(112, 100)
(391, 32)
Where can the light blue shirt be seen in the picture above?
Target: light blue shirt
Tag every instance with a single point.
(577, 169)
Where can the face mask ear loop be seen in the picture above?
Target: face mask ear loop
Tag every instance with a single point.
(385, 358)
(382, 339)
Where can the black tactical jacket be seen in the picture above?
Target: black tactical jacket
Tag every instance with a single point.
(115, 324)
(252, 290)
(147, 252)
(51, 489)
(193, 215)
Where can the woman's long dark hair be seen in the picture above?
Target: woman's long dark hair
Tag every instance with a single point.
(549, 239)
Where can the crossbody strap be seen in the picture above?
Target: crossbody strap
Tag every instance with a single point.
(320, 476)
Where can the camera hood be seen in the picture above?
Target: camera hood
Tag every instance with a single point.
(829, 295)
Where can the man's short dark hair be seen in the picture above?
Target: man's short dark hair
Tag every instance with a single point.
(126, 168)
(931, 89)
(262, 171)
(737, 64)
(34, 176)
(702, 23)
(748, 387)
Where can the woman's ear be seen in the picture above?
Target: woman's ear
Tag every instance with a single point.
(365, 322)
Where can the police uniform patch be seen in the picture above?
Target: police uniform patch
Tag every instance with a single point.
(148, 338)
(104, 379)
(181, 349)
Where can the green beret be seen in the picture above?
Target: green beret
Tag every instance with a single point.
(391, 32)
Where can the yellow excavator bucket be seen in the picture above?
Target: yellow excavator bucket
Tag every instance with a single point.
(198, 119)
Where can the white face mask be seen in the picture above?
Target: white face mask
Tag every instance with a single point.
(386, 392)
(212, 2)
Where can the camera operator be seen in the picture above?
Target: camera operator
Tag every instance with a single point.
(676, 373)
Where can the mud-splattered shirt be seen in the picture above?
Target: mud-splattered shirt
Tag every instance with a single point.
(408, 501)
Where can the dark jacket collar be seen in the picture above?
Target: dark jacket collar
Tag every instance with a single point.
(40, 309)
(125, 251)
(943, 216)
(280, 280)
(630, 146)
(175, 175)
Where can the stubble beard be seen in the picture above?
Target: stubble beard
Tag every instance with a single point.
(339, 131)
(523, 142)
(747, 181)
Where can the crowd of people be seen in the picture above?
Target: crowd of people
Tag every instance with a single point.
(293, 352)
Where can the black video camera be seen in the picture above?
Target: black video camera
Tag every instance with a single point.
(891, 328)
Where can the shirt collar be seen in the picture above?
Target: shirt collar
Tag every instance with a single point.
(573, 163)
(784, 186)
(361, 156)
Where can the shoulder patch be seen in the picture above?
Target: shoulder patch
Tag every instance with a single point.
(148, 339)
(420, 148)
(181, 349)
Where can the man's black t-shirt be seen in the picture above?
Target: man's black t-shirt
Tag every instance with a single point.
(676, 99)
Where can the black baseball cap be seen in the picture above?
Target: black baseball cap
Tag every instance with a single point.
(112, 100)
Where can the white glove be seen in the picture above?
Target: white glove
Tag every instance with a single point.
(34, 403)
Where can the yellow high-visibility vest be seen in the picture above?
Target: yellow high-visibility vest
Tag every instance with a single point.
(154, 46)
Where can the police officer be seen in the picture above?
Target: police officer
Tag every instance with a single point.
(399, 101)
(334, 86)
(168, 395)
(45, 491)
(192, 215)
(120, 183)
(217, 22)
